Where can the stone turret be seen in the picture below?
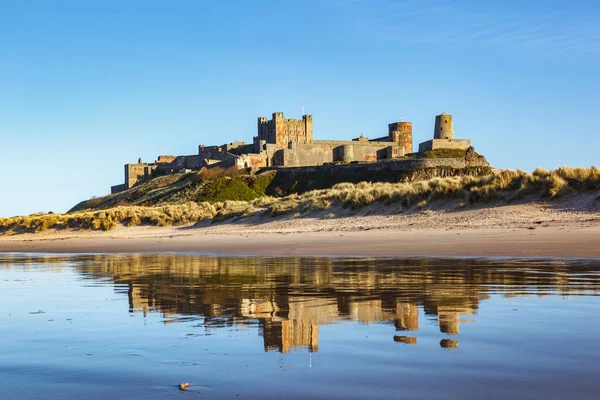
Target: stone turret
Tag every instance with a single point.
(443, 136)
(443, 127)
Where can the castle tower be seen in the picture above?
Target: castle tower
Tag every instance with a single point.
(265, 130)
(281, 131)
(401, 134)
(443, 127)
(308, 128)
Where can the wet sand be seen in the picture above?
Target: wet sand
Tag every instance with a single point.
(571, 242)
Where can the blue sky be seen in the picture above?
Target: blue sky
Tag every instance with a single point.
(86, 87)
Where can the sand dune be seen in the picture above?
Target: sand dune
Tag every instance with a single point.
(569, 228)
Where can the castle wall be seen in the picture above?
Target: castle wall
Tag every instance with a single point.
(244, 148)
(118, 188)
(230, 147)
(321, 152)
(314, 153)
(434, 144)
(220, 152)
(390, 165)
(180, 163)
(211, 152)
(165, 159)
(187, 162)
(254, 161)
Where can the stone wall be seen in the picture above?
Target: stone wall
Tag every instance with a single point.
(180, 163)
(211, 152)
(188, 162)
(220, 152)
(393, 165)
(321, 152)
(254, 161)
(118, 188)
(165, 159)
(435, 144)
(315, 153)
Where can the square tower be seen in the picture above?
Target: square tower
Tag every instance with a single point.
(281, 131)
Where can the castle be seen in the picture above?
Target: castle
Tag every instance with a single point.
(282, 142)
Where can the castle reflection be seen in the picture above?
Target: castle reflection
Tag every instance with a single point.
(290, 298)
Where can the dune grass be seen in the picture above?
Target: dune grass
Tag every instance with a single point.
(505, 186)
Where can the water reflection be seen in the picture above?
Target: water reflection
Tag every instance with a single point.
(290, 298)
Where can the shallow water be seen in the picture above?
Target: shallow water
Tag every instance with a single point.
(135, 326)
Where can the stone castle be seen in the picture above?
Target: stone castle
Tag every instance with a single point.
(282, 142)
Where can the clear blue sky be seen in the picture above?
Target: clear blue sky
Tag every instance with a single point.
(87, 86)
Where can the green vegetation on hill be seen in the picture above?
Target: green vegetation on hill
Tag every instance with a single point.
(215, 185)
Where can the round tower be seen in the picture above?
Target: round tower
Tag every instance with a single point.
(347, 153)
(401, 134)
(443, 127)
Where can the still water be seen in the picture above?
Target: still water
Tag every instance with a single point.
(136, 326)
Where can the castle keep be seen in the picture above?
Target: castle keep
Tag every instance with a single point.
(282, 131)
(282, 142)
(443, 136)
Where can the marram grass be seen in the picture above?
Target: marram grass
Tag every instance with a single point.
(505, 186)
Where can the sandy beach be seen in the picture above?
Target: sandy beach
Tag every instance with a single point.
(525, 230)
